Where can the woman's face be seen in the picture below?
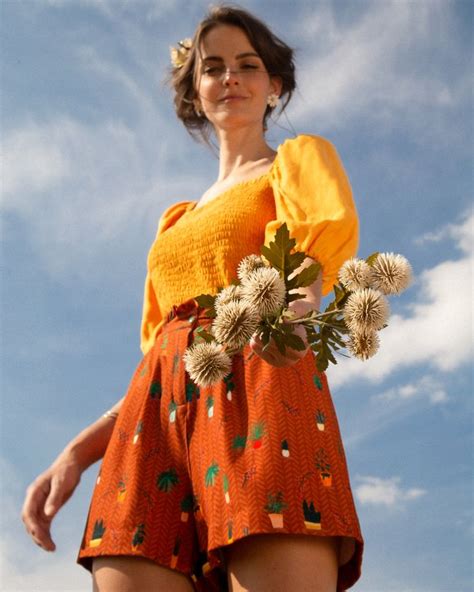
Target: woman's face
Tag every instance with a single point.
(232, 82)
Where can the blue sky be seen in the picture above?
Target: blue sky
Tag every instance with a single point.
(93, 154)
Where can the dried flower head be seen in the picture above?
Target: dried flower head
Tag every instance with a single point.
(227, 295)
(235, 323)
(179, 54)
(354, 274)
(249, 264)
(390, 273)
(206, 363)
(366, 309)
(363, 344)
(264, 290)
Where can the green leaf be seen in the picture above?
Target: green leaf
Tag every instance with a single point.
(306, 277)
(295, 342)
(205, 300)
(204, 335)
(277, 338)
(371, 258)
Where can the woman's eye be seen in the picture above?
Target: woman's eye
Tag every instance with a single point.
(213, 70)
(219, 70)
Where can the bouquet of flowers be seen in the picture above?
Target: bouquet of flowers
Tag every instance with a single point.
(258, 303)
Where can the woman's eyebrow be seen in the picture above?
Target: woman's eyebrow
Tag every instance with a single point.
(239, 56)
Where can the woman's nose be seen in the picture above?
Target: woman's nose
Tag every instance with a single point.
(231, 76)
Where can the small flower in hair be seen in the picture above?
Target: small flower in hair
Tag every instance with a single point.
(179, 54)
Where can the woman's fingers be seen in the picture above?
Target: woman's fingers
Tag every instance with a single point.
(37, 524)
(272, 354)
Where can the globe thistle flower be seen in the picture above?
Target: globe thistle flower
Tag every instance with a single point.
(180, 54)
(264, 290)
(366, 309)
(249, 264)
(363, 344)
(235, 323)
(390, 273)
(355, 274)
(206, 363)
(227, 295)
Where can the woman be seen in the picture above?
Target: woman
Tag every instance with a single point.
(242, 485)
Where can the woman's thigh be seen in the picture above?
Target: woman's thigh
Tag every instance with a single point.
(136, 574)
(282, 562)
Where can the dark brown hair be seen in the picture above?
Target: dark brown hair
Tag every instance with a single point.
(276, 55)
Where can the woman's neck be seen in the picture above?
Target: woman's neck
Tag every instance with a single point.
(241, 149)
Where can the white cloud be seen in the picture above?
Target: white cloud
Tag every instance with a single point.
(380, 64)
(385, 492)
(438, 329)
(427, 386)
(83, 188)
(31, 162)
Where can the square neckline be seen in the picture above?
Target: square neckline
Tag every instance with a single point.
(193, 205)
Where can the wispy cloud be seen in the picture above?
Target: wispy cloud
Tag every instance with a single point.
(438, 328)
(385, 492)
(380, 64)
(83, 188)
(426, 386)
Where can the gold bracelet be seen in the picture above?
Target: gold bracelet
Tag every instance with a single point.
(110, 413)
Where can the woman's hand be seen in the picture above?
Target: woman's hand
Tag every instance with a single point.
(272, 354)
(46, 495)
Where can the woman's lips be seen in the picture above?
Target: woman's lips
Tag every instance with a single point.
(231, 99)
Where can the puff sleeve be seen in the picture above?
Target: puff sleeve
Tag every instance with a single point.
(313, 196)
(152, 317)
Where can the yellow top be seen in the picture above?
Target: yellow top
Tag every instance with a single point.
(197, 249)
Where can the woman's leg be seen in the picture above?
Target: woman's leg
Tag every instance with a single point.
(136, 574)
(282, 562)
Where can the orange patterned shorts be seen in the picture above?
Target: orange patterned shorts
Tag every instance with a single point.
(189, 470)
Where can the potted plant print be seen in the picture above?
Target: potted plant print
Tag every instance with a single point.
(186, 507)
(225, 485)
(175, 554)
(324, 468)
(230, 538)
(138, 536)
(122, 491)
(172, 411)
(97, 533)
(312, 518)
(210, 406)
(320, 420)
(138, 431)
(285, 451)
(211, 474)
(258, 431)
(166, 480)
(274, 507)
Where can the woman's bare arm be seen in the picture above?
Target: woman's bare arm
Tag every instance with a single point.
(51, 490)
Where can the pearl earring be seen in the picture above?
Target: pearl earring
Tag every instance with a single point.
(273, 100)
